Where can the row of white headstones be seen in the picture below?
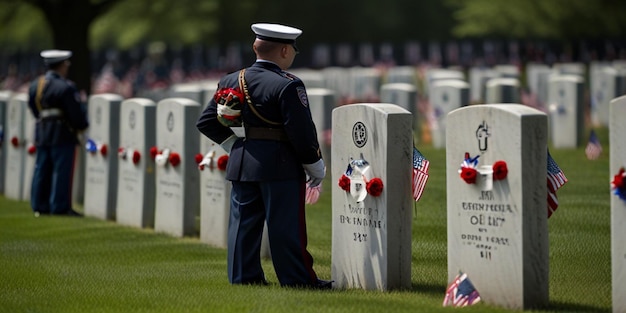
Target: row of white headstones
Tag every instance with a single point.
(497, 232)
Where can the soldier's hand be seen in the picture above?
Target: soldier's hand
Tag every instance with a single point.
(315, 172)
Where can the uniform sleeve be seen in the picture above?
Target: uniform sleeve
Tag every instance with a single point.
(74, 111)
(298, 122)
(32, 93)
(209, 126)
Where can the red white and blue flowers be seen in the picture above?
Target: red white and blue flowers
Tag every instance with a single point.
(618, 185)
(356, 177)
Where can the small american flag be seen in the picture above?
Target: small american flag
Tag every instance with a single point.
(594, 148)
(556, 179)
(420, 173)
(461, 292)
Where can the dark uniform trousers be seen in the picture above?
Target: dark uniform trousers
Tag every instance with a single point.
(51, 190)
(268, 180)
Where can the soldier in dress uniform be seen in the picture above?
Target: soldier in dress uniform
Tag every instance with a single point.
(56, 105)
(270, 166)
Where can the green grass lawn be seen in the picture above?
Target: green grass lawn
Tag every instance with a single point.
(65, 264)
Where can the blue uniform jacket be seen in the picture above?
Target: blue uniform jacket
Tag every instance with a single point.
(61, 94)
(280, 97)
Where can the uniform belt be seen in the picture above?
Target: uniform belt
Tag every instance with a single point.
(264, 133)
(52, 112)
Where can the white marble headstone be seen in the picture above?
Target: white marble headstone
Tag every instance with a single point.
(311, 78)
(365, 84)
(612, 84)
(507, 71)
(478, 78)
(571, 68)
(101, 165)
(371, 244)
(446, 96)
(402, 74)
(5, 95)
(322, 101)
(177, 178)
(566, 112)
(214, 194)
(436, 74)
(136, 168)
(503, 90)
(402, 94)
(337, 79)
(497, 229)
(193, 91)
(15, 146)
(537, 76)
(618, 206)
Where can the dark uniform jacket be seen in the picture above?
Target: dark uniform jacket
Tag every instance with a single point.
(61, 95)
(278, 96)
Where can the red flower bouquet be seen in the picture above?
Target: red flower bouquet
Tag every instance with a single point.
(136, 157)
(32, 149)
(222, 162)
(104, 149)
(174, 159)
(500, 170)
(229, 103)
(153, 152)
(344, 182)
(199, 158)
(469, 174)
(619, 184)
(374, 187)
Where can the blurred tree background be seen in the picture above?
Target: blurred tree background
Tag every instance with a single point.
(91, 26)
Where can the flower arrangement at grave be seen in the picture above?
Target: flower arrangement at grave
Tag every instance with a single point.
(92, 147)
(500, 170)
(136, 157)
(355, 180)
(174, 159)
(222, 162)
(469, 173)
(15, 141)
(205, 160)
(468, 170)
(153, 152)
(618, 185)
(32, 149)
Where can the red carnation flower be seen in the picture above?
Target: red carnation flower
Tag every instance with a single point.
(15, 142)
(222, 162)
(344, 182)
(500, 170)
(618, 180)
(104, 150)
(374, 187)
(199, 158)
(469, 174)
(153, 152)
(174, 159)
(32, 149)
(136, 157)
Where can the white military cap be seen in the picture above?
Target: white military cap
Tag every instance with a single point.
(276, 32)
(55, 56)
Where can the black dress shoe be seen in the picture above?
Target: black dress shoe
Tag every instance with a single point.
(323, 284)
(261, 282)
(69, 212)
